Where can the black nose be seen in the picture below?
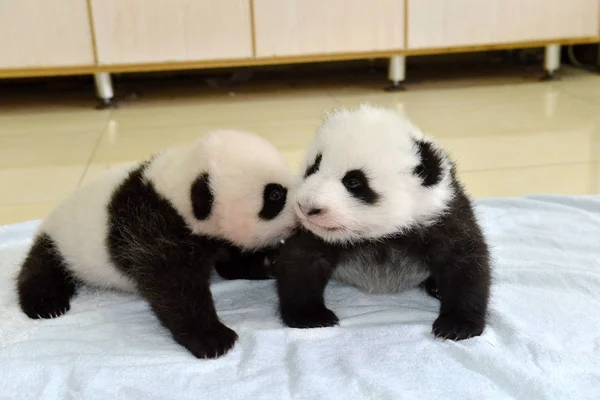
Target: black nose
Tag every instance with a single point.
(314, 211)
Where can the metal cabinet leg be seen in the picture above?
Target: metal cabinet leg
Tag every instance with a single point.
(551, 62)
(104, 90)
(396, 73)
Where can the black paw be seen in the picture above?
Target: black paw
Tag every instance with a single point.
(45, 304)
(431, 288)
(228, 271)
(212, 343)
(456, 327)
(269, 267)
(310, 318)
(256, 266)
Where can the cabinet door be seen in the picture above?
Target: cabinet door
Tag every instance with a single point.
(453, 23)
(157, 31)
(304, 27)
(42, 33)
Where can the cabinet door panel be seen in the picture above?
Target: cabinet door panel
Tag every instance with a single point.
(304, 27)
(156, 31)
(41, 33)
(454, 23)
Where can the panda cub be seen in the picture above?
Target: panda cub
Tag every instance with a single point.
(157, 228)
(381, 208)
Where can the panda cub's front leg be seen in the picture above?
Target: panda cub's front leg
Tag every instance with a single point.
(303, 271)
(181, 299)
(463, 281)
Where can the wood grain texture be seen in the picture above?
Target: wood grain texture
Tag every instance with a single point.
(149, 31)
(449, 23)
(305, 27)
(40, 33)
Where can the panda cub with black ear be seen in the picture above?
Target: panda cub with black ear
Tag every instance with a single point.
(381, 208)
(157, 228)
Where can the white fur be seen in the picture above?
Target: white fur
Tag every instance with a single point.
(239, 165)
(79, 226)
(380, 142)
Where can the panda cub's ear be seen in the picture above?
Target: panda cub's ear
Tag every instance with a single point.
(202, 197)
(430, 168)
(314, 167)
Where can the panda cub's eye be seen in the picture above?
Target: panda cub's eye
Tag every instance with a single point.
(354, 180)
(274, 199)
(357, 184)
(352, 183)
(275, 194)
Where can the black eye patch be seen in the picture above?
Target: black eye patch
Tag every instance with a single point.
(314, 167)
(274, 197)
(357, 184)
(202, 197)
(430, 167)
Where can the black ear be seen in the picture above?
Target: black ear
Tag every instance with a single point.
(202, 197)
(314, 167)
(430, 168)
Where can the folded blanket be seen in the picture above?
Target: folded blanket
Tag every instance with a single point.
(542, 341)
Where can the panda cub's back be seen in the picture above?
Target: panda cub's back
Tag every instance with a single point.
(79, 227)
(380, 268)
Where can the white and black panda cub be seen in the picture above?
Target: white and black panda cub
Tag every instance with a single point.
(381, 208)
(157, 228)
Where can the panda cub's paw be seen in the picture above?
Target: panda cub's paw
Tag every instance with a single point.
(456, 327)
(318, 317)
(46, 302)
(45, 308)
(431, 288)
(211, 343)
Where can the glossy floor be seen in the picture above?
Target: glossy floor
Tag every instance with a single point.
(511, 136)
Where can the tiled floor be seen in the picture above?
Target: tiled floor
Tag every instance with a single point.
(510, 137)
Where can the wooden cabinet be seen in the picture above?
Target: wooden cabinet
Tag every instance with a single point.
(88, 36)
(455, 23)
(305, 27)
(40, 34)
(161, 31)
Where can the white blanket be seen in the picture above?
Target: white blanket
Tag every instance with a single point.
(542, 342)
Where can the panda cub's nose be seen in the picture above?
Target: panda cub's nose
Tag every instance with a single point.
(311, 211)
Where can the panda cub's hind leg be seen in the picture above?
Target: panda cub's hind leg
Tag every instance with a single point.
(44, 284)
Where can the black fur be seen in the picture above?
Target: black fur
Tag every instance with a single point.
(44, 284)
(453, 250)
(430, 168)
(357, 184)
(202, 197)
(274, 198)
(431, 288)
(150, 242)
(236, 264)
(314, 167)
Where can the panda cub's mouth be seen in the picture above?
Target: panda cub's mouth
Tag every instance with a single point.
(321, 227)
(311, 225)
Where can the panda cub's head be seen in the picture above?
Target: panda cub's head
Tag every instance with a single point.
(232, 185)
(369, 173)
(245, 190)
